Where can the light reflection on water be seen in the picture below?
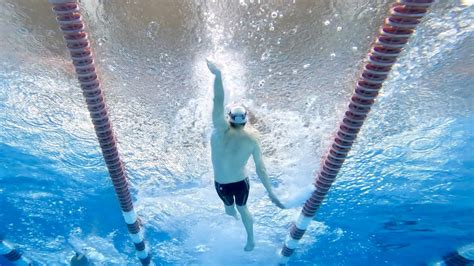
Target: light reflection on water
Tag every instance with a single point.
(292, 63)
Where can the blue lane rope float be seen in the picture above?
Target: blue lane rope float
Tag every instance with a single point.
(71, 24)
(404, 16)
(12, 254)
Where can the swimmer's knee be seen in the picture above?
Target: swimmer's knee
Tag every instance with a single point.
(242, 208)
(245, 213)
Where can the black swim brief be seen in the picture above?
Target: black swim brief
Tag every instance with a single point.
(239, 190)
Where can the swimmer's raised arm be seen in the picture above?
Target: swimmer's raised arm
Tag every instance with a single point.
(218, 118)
(262, 174)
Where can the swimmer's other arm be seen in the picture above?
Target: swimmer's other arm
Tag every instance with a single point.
(262, 174)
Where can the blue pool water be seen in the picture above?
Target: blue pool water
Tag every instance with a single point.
(404, 197)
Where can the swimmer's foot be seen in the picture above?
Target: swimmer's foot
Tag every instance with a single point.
(230, 210)
(250, 246)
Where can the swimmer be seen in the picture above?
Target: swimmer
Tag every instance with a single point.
(232, 143)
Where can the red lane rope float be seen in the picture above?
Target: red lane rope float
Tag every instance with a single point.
(404, 16)
(69, 18)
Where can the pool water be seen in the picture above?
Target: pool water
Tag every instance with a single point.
(404, 196)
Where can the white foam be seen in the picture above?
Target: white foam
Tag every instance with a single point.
(295, 196)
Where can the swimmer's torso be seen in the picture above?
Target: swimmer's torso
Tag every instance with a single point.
(231, 150)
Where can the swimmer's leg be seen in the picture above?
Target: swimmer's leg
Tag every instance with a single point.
(230, 210)
(248, 224)
(228, 200)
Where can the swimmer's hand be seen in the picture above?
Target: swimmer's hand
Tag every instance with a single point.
(276, 201)
(213, 68)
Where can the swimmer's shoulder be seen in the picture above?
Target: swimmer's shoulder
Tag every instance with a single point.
(220, 131)
(253, 135)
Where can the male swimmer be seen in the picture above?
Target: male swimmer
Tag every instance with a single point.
(232, 143)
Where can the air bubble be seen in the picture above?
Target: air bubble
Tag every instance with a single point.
(422, 144)
(101, 41)
(393, 152)
(50, 33)
(23, 30)
(274, 14)
(264, 56)
(327, 22)
(152, 29)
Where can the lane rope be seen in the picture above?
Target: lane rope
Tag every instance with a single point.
(70, 21)
(404, 16)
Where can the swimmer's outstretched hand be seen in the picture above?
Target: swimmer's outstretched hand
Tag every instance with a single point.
(276, 201)
(213, 68)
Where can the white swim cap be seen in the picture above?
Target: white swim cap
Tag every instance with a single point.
(237, 114)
